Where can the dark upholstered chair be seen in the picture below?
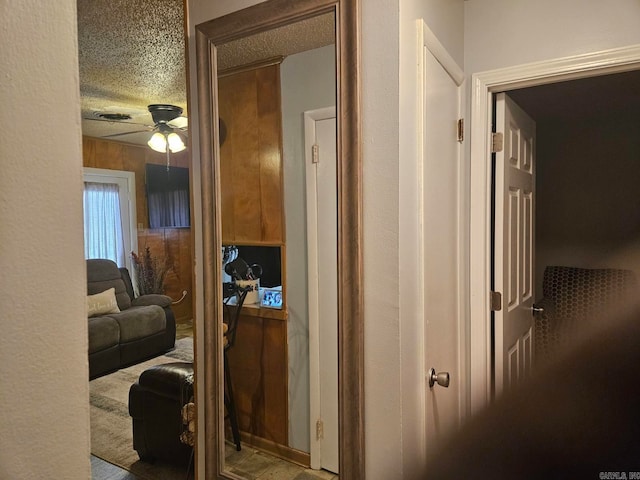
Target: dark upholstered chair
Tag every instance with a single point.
(571, 297)
(143, 328)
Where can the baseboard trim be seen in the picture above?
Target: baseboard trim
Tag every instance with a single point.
(281, 451)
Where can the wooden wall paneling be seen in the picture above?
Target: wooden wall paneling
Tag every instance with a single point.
(258, 364)
(275, 361)
(270, 139)
(185, 308)
(89, 152)
(155, 240)
(251, 157)
(174, 244)
(178, 241)
(226, 155)
(244, 363)
(246, 162)
(109, 155)
(173, 280)
(238, 103)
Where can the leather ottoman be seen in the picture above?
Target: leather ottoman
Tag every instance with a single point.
(156, 404)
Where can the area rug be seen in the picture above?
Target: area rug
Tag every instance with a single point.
(111, 425)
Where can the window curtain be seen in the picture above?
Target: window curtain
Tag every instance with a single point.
(103, 236)
(169, 208)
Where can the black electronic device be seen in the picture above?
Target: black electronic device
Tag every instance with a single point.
(167, 196)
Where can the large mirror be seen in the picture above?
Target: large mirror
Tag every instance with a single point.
(257, 210)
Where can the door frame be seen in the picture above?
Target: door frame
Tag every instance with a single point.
(483, 86)
(310, 119)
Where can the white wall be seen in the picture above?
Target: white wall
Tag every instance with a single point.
(380, 117)
(445, 19)
(500, 33)
(44, 392)
(308, 82)
(587, 212)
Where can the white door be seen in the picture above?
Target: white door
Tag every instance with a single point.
(514, 243)
(322, 243)
(442, 261)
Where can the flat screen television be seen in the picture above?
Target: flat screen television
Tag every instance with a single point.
(167, 196)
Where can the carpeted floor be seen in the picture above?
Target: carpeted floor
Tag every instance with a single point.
(112, 436)
(111, 426)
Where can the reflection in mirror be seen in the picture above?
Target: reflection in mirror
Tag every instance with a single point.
(266, 83)
(116, 90)
(280, 240)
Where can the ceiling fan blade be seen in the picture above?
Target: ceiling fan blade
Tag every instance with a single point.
(125, 133)
(179, 122)
(115, 121)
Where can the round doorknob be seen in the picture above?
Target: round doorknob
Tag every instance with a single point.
(441, 378)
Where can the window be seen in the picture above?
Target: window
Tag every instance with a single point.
(103, 222)
(109, 215)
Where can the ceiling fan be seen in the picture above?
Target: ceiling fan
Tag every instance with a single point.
(168, 121)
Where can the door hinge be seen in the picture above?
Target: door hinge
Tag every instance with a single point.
(495, 301)
(319, 430)
(461, 130)
(497, 142)
(315, 154)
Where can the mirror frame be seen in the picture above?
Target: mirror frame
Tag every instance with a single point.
(260, 17)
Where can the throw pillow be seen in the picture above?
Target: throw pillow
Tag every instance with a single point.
(101, 303)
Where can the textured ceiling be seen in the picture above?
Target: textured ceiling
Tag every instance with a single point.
(132, 54)
(311, 33)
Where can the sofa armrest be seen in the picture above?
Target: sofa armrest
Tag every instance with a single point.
(152, 299)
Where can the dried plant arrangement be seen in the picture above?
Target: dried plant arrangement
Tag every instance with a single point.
(150, 272)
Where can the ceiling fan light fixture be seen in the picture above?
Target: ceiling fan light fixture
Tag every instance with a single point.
(175, 143)
(162, 113)
(158, 142)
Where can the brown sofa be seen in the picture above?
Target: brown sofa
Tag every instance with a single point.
(144, 327)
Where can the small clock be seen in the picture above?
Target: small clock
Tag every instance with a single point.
(271, 297)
